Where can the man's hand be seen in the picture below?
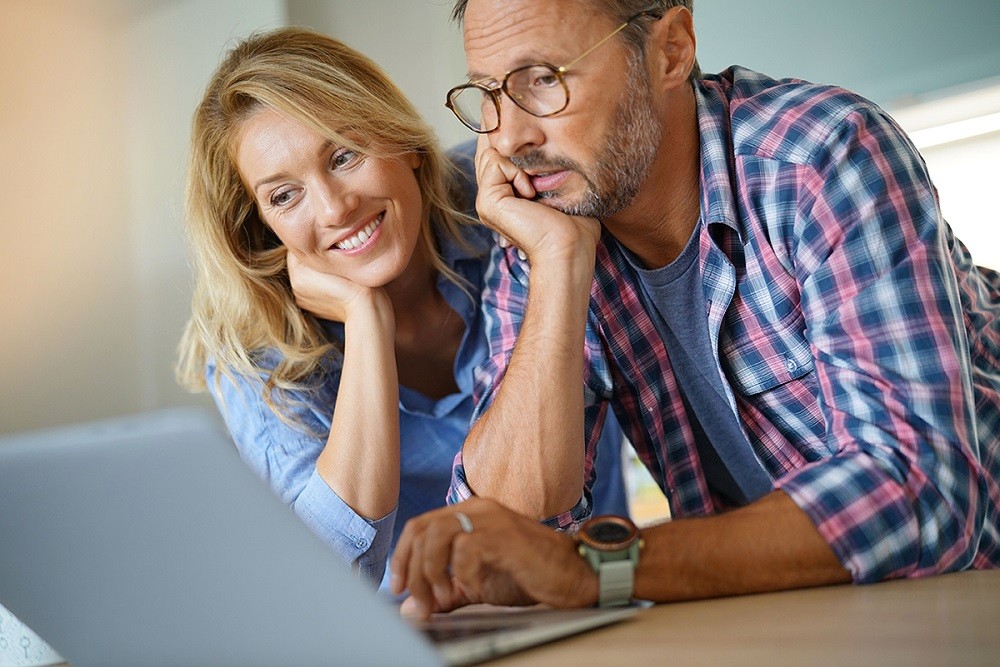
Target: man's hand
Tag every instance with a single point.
(505, 204)
(504, 559)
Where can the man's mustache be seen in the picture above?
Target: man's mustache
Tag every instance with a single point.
(538, 162)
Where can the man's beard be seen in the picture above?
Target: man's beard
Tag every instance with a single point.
(624, 159)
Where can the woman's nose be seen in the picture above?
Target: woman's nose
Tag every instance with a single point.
(335, 204)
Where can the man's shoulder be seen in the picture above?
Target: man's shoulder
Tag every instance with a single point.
(783, 119)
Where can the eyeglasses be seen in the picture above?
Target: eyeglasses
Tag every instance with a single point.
(540, 89)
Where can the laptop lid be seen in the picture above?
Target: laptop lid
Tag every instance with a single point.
(146, 541)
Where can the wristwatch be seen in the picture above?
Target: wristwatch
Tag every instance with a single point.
(611, 545)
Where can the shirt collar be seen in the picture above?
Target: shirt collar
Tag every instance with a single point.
(717, 198)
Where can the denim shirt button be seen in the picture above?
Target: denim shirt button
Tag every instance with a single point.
(362, 543)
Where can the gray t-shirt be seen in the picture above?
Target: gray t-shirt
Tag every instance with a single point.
(675, 298)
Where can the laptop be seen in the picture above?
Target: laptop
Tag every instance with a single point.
(146, 541)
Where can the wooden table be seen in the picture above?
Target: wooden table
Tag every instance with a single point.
(946, 620)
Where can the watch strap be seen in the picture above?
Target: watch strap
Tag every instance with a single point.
(616, 580)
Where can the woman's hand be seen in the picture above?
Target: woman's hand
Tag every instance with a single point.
(329, 296)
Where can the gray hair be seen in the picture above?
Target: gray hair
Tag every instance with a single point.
(619, 11)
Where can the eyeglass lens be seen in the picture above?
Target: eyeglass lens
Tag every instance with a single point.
(538, 89)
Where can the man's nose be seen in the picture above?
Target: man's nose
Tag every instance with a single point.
(519, 130)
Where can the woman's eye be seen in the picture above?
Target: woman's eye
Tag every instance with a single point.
(282, 197)
(342, 158)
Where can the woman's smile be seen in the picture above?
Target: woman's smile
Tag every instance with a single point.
(363, 239)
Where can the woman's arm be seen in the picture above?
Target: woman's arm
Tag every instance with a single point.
(332, 453)
(360, 461)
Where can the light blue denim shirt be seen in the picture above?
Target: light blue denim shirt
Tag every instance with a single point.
(431, 431)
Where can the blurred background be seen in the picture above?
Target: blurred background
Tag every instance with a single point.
(96, 99)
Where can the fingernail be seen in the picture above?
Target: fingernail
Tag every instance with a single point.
(503, 242)
(522, 254)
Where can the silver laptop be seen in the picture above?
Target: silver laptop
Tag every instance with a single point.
(146, 541)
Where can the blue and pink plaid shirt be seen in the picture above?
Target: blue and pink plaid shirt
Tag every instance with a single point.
(858, 343)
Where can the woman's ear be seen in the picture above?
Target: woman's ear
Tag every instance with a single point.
(672, 47)
(413, 159)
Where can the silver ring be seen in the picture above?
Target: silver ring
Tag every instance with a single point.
(465, 521)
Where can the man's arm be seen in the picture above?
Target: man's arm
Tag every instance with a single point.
(768, 545)
(902, 490)
(527, 450)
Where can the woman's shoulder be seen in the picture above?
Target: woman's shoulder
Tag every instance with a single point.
(251, 405)
(472, 245)
(265, 361)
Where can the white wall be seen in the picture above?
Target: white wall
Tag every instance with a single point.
(66, 298)
(413, 40)
(94, 123)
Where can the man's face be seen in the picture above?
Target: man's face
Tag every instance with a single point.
(592, 157)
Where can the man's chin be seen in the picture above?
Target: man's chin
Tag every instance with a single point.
(553, 200)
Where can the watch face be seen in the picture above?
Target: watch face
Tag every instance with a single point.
(609, 532)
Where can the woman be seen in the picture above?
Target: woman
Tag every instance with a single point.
(336, 314)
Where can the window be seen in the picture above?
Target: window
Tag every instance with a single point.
(958, 135)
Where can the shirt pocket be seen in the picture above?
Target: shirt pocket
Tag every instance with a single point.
(774, 355)
(773, 370)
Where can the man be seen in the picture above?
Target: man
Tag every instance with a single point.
(755, 276)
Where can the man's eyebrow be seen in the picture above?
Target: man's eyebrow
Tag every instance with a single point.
(476, 77)
(525, 61)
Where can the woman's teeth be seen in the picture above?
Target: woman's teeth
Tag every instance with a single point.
(359, 239)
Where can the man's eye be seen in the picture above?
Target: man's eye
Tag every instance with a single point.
(545, 81)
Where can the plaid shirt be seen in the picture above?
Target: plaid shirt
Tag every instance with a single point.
(858, 342)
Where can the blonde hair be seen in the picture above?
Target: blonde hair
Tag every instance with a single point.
(242, 302)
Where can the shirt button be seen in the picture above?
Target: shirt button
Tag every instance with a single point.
(791, 365)
(362, 543)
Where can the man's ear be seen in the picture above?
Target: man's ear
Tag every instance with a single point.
(672, 47)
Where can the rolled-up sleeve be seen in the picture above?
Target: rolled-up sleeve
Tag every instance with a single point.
(285, 458)
(358, 540)
(903, 492)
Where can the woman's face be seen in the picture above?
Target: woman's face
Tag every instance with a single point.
(345, 213)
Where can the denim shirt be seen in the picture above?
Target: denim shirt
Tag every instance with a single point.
(431, 431)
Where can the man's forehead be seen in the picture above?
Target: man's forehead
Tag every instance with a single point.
(503, 34)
